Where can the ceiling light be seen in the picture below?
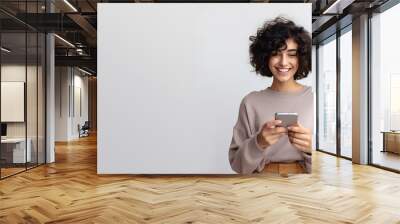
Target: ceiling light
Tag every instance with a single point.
(84, 71)
(64, 40)
(70, 5)
(5, 50)
(337, 7)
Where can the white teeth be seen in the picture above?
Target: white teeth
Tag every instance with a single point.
(283, 69)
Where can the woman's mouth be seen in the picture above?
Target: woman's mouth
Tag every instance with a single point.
(283, 69)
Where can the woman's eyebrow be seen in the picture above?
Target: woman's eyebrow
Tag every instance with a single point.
(292, 50)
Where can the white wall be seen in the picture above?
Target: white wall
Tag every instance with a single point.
(79, 117)
(61, 103)
(12, 101)
(68, 81)
(170, 81)
(18, 73)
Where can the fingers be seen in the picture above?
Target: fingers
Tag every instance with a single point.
(273, 123)
(305, 137)
(299, 129)
(272, 139)
(301, 145)
(276, 132)
(299, 136)
(279, 130)
(270, 128)
(299, 142)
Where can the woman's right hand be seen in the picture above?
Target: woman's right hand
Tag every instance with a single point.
(270, 133)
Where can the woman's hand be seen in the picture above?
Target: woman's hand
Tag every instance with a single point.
(270, 133)
(301, 138)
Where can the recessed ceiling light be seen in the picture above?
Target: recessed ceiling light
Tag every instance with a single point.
(84, 71)
(5, 50)
(64, 40)
(70, 5)
(337, 7)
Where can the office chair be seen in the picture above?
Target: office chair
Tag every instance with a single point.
(84, 130)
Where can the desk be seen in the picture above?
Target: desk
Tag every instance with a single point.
(391, 141)
(13, 150)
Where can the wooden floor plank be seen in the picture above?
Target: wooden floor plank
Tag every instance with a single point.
(70, 191)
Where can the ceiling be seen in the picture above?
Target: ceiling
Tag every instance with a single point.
(76, 22)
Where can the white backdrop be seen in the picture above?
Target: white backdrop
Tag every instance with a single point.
(170, 81)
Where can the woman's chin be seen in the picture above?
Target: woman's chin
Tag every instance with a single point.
(281, 78)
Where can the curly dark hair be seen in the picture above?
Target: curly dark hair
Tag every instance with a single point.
(271, 37)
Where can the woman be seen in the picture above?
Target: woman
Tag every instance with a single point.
(280, 50)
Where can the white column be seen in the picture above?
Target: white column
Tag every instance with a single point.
(50, 100)
(50, 92)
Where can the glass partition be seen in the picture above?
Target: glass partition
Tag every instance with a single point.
(346, 93)
(327, 96)
(385, 89)
(22, 77)
(31, 86)
(13, 110)
(41, 88)
(32, 95)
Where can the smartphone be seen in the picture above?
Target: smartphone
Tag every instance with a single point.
(288, 119)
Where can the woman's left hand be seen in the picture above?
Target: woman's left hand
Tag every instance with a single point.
(300, 137)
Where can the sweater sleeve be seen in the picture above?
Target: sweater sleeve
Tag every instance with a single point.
(245, 154)
(307, 164)
(307, 157)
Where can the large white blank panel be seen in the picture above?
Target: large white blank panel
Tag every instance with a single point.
(170, 81)
(12, 101)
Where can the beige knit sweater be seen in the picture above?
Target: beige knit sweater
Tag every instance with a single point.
(258, 107)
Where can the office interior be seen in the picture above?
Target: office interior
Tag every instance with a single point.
(48, 80)
(30, 56)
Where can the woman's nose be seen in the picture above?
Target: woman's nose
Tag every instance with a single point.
(283, 60)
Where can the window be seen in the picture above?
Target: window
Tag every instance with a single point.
(327, 96)
(385, 89)
(346, 93)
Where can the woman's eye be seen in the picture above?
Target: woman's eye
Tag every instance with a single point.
(292, 55)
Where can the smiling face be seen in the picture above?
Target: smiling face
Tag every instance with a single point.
(284, 63)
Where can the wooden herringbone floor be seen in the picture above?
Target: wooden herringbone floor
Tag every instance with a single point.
(70, 191)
